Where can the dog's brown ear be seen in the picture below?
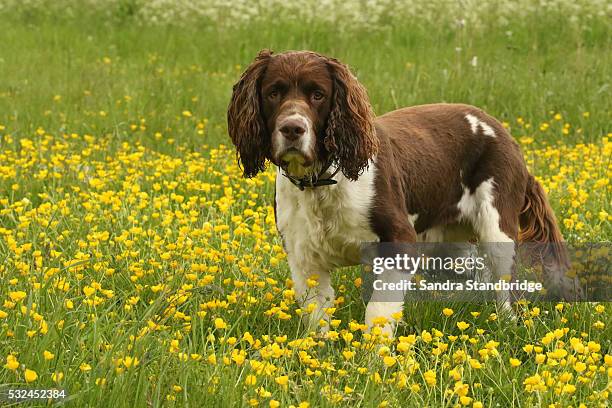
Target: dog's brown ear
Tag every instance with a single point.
(244, 118)
(350, 134)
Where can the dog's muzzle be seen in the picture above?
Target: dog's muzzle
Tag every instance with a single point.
(294, 142)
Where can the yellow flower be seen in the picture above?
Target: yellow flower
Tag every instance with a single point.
(534, 383)
(187, 114)
(17, 296)
(515, 362)
(48, 355)
(580, 366)
(475, 364)
(389, 361)
(220, 323)
(463, 325)
(461, 389)
(403, 347)
(380, 321)
(447, 311)
(11, 362)
(455, 374)
(465, 400)
(593, 347)
(250, 380)
(85, 367)
(274, 403)
(430, 377)
(30, 375)
(132, 361)
(282, 380)
(568, 389)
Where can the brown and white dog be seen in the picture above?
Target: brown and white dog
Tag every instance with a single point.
(439, 172)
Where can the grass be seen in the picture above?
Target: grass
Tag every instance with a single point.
(132, 251)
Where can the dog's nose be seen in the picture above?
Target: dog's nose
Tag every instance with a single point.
(293, 129)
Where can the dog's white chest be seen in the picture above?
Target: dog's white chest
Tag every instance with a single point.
(323, 227)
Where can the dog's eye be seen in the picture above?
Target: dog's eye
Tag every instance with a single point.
(318, 95)
(273, 94)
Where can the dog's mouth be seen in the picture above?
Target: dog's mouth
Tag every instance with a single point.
(295, 163)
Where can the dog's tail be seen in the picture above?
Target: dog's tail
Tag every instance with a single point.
(540, 231)
(538, 223)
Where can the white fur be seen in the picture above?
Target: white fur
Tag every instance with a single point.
(475, 123)
(323, 228)
(477, 208)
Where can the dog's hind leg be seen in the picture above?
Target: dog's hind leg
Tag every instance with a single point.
(496, 226)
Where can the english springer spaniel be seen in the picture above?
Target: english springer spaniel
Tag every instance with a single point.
(433, 173)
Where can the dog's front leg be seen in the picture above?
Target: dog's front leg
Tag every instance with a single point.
(314, 292)
(383, 314)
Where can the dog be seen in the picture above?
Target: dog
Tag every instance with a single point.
(428, 173)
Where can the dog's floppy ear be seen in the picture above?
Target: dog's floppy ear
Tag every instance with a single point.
(350, 134)
(244, 118)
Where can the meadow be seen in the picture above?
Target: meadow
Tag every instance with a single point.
(138, 268)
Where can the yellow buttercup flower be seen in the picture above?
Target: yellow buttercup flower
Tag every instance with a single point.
(17, 296)
(30, 375)
(430, 377)
(11, 362)
(389, 361)
(463, 325)
(515, 362)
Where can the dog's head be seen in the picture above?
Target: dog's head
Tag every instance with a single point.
(300, 110)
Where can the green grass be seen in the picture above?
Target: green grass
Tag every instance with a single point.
(541, 66)
(104, 104)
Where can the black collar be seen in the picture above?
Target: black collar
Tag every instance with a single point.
(304, 182)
